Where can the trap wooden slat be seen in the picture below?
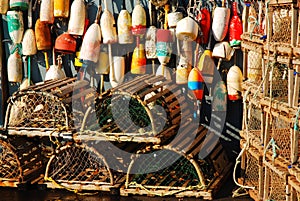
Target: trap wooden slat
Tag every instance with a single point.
(50, 84)
(61, 92)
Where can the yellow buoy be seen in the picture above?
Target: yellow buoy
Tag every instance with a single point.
(3, 6)
(61, 8)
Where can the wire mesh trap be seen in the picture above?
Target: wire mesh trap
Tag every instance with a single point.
(77, 168)
(47, 108)
(21, 161)
(178, 169)
(148, 108)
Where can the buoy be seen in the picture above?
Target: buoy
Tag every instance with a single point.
(29, 47)
(119, 71)
(138, 64)
(206, 66)
(196, 83)
(102, 64)
(47, 11)
(108, 26)
(18, 4)
(236, 27)
(43, 39)
(61, 8)
(90, 48)
(187, 29)
(252, 20)
(77, 18)
(55, 71)
(139, 20)
(65, 44)
(150, 43)
(222, 51)
(182, 71)
(219, 103)
(220, 22)
(14, 67)
(205, 23)
(3, 6)
(15, 25)
(174, 18)
(234, 83)
(163, 46)
(124, 24)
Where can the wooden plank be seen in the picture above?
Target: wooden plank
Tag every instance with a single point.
(48, 84)
(58, 85)
(79, 95)
(70, 88)
(154, 88)
(130, 83)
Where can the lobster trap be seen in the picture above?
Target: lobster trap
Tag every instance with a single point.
(252, 171)
(79, 167)
(293, 189)
(189, 166)
(275, 181)
(50, 108)
(148, 108)
(21, 162)
(282, 29)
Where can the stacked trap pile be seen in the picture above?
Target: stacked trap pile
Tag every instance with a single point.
(271, 110)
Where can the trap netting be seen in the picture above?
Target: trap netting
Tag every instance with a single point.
(278, 82)
(147, 105)
(282, 21)
(276, 188)
(77, 167)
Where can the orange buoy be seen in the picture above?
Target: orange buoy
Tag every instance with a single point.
(234, 83)
(47, 11)
(196, 83)
(138, 64)
(65, 44)
(77, 18)
(61, 8)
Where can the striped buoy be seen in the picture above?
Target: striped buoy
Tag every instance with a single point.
(163, 47)
(196, 83)
(138, 64)
(77, 18)
(139, 20)
(234, 83)
(18, 4)
(15, 25)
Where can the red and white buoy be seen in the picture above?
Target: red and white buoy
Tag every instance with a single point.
(234, 83)
(236, 27)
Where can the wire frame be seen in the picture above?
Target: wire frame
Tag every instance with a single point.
(10, 168)
(37, 110)
(81, 165)
(254, 66)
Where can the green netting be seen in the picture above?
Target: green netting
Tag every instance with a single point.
(165, 169)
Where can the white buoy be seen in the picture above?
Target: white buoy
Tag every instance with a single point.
(77, 18)
(119, 71)
(14, 67)
(47, 11)
(220, 22)
(124, 24)
(234, 83)
(187, 29)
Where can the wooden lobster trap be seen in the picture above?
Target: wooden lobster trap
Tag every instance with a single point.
(50, 108)
(252, 171)
(282, 30)
(148, 108)
(21, 161)
(81, 168)
(276, 179)
(190, 166)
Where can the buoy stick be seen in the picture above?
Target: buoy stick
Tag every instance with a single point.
(28, 70)
(153, 67)
(102, 83)
(111, 64)
(46, 60)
